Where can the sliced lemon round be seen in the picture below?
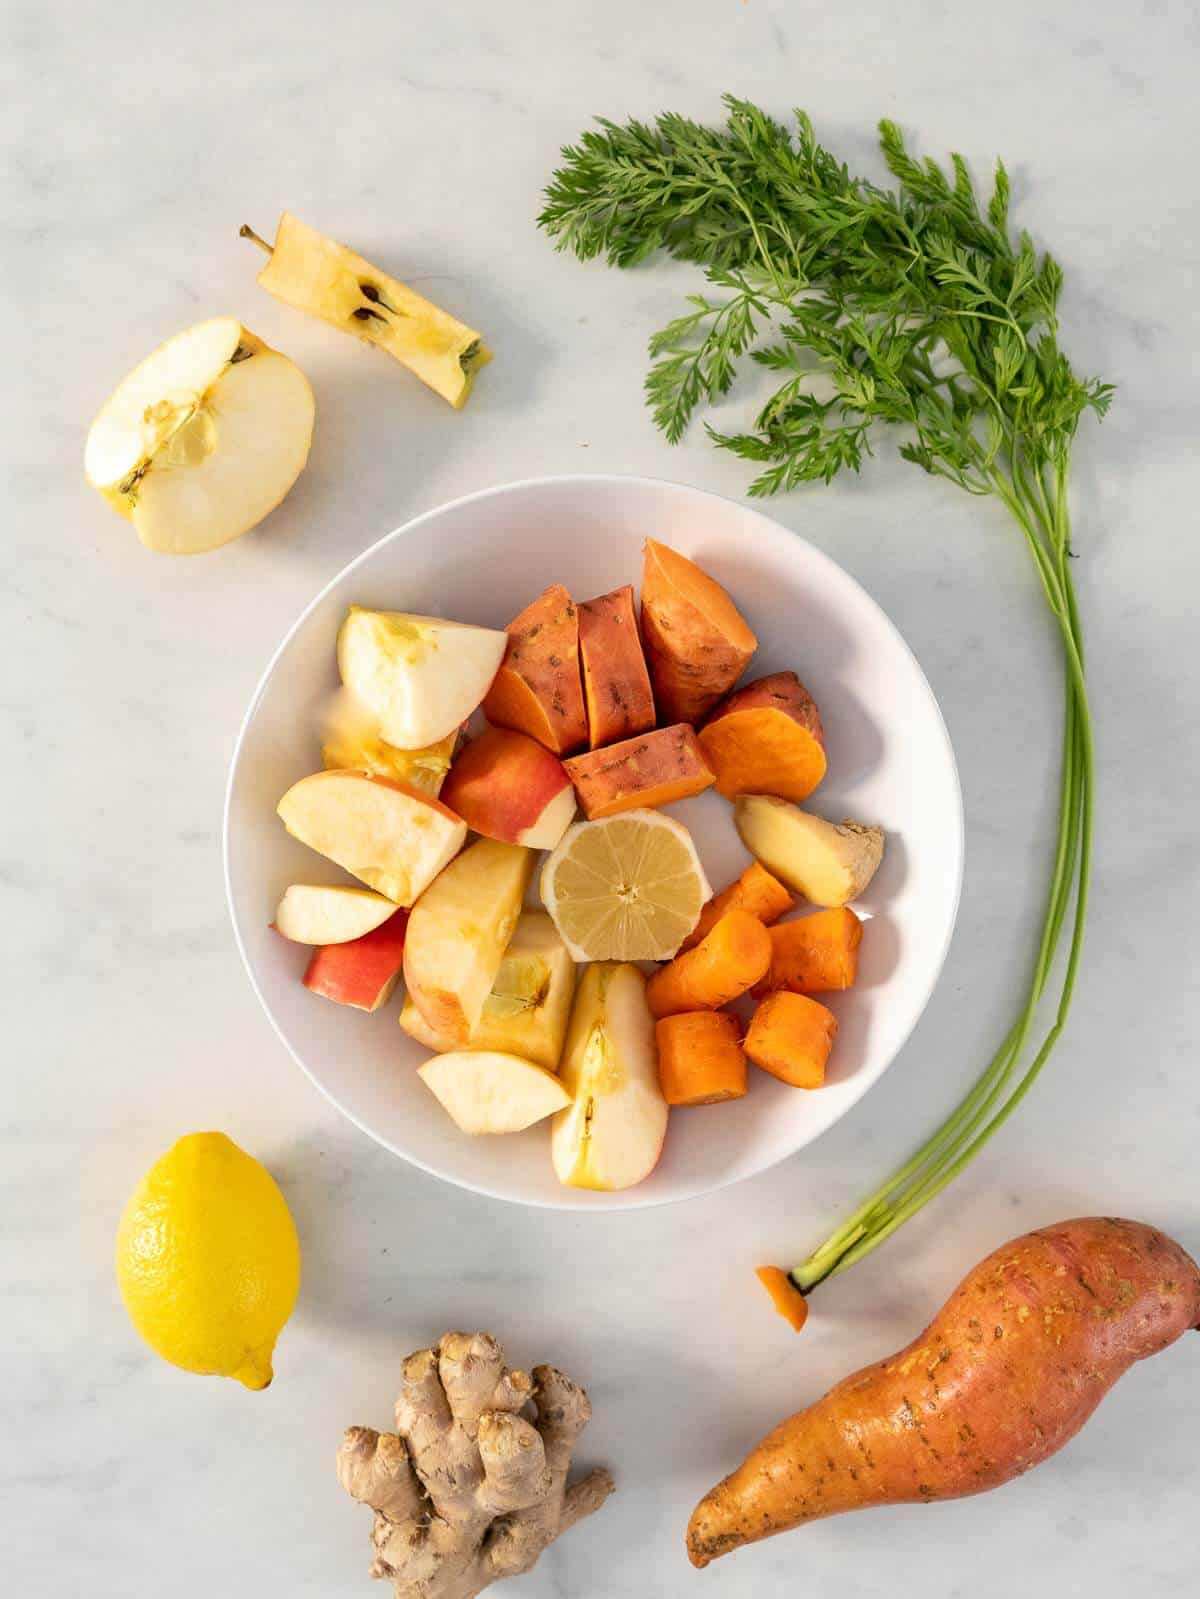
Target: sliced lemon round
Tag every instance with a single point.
(625, 888)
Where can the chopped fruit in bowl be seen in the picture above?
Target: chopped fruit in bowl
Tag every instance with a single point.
(527, 796)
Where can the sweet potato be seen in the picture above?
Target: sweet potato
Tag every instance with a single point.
(1010, 1369)
(538, 689)
(654, 769)
(755, 891)
(830, 863)
(815, 954)
(697, 641)
(766, 738)
(616, 684)
(791, 1036)
(700, 1058)
(724, 966)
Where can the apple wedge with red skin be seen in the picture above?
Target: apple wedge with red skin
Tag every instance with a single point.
(362, 972)
(507, 786)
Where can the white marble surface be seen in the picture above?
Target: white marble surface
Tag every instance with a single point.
(139, 137)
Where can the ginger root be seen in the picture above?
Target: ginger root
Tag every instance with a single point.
(470, 1489)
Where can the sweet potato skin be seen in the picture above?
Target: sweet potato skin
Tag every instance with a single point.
(766, 738)
(538, 689)
(616, 682)
(697, 642)
(1007, 1372)
(651, 770)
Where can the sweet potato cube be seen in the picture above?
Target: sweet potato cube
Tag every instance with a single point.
(790, 1036)
(815, 954)
(755, 891)
(538, 689)
(766, 738)
(700, 1058)
(616, 684)
(697, 641)
(651, 770)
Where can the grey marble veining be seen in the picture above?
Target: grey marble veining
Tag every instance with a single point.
(137, 138)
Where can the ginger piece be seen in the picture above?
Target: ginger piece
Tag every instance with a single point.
(468, 1491)
(829, 863)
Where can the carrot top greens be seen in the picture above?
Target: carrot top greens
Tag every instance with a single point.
(914, 307)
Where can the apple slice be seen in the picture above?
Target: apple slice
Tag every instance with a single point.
(363, 972)
(203, 439)
(351, 742)
(310, 913)
(324, 278)
(389, 836)
(485, 1091)
(507, 786)
(420, 676)
(527, 1010)
(612, 1133)
(458, 932)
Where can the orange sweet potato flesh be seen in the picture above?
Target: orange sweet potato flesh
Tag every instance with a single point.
(700, 1059)
(755, 891)
(654, 769)
(538, 689)
(726, 965)
(616, 684)
(1009, 1370)
(791, 1036)
(766, 738)
(697, 641)
(815, 954)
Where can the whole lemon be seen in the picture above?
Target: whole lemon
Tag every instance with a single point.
(208, 1260)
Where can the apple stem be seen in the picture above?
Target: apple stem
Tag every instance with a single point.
(247, 232)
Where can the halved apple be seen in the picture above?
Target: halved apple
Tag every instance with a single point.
(363, 972)
(458, 932)
(310, 913)
(419, 676)
(203, 439)
(352, 743)
(612, 1133)
(389, 836)
(489, 1092)
(527, 1011)
(505, 785)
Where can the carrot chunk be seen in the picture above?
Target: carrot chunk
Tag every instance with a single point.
(755, 891)
(790, 1036)
(785, 1296)
(814, 954)
(726, 964)
(700, 1059)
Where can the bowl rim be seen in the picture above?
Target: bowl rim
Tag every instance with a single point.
(632, 1199)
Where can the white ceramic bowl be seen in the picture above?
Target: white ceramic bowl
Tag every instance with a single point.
(481, 559)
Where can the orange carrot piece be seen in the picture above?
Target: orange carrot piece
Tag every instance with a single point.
(723, 966)
(645, 772)
(785, 1296)
(755, 891)
(814, 954)
(700, 1059)
(766, 738)
(790, 1036)
(616, 683)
